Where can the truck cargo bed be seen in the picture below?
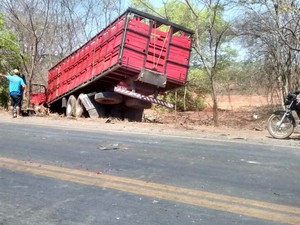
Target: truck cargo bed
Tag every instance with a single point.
(133, 43)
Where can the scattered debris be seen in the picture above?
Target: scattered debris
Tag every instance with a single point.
(108, 120)
(111, 147)
(150, 119)
(255, 116)
(258, 129)
(250, 162)
(238, 138)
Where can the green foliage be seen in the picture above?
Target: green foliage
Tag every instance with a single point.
(9, 47)
(9, 57)
(185, 100)
(198, 81)
(177, 12)
(4, 97)
(227, 57)
(142, 5)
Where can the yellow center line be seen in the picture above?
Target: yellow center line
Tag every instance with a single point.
(247, 207)
(163, 187)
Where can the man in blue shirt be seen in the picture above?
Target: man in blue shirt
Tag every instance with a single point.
(16, 89)
(17, 70)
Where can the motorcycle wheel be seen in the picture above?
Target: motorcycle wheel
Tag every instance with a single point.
(284, 131)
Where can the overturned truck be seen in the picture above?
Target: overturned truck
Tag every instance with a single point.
(122, 70)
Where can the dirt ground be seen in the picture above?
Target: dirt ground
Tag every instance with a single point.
(238, 120)
(236, 112)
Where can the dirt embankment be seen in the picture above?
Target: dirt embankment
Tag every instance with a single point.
(235, 112)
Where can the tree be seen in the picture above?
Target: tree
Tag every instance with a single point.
(30, 21)
(9, 47)
(271, 29)
(51, 29)
(211, 32)
(145, 6)
(9, 57)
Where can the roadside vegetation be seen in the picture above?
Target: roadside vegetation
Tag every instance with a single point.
(240, 47)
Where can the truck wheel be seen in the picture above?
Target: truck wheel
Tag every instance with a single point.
(110, 98)
(137, 103)
(133, 115)
(79, 108)
(70, 110)
(116, 111)
(99, 110)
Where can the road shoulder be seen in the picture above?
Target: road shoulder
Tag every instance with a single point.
(175, 129)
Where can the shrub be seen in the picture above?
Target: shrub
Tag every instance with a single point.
(185, 102)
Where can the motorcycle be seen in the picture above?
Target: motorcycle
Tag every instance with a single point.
(281, 124)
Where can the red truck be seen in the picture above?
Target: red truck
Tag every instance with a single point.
(122, 70)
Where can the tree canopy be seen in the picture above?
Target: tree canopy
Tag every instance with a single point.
(9, 47)
(9, 57)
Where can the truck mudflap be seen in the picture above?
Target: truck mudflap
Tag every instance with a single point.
(132, 94)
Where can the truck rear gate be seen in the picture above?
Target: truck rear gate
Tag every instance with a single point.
(139, 52)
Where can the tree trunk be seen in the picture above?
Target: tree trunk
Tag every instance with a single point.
(184, 99)
(215, 104)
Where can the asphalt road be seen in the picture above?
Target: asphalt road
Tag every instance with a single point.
(54, 175)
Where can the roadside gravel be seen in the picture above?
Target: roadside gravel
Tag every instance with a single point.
(175, 129)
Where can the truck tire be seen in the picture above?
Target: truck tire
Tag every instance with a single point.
(79, 108)
(133, 115)
(137, 103)
(116, 111)
(70, 110)
(64, 103)
(110, 98)
(99, 110)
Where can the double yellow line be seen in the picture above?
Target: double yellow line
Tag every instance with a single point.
(247, 207)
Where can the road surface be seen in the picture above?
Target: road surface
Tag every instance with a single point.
(65, 175)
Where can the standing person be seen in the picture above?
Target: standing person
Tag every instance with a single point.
(17, 70)
(20, 74)
(16, 89)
